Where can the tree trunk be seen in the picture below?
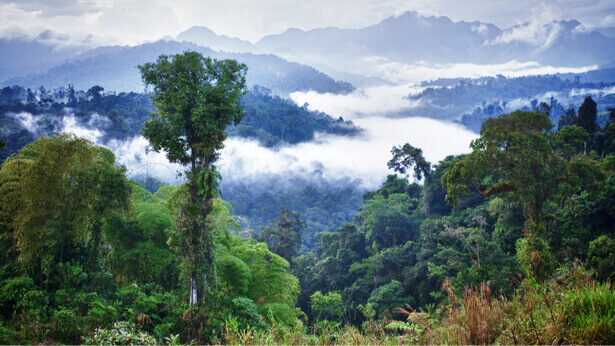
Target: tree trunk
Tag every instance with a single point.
(193, 289)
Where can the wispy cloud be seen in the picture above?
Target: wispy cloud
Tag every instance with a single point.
(420, 71)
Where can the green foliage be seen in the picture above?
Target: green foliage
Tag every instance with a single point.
(389, 221)
(407, 156)
(587, 116)
(535, 257)
(122, 333)
(246, 311)
(327, 306)
(66, 326)
(510, 147)
(279, 314)
(234, 274)
(601, 257)
(387, 297)
(284, 236)
(192, 111)
(570, 141)
(83, 191)
(270, 281)
(140, 252)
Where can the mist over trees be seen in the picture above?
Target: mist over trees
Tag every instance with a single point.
(466, 250)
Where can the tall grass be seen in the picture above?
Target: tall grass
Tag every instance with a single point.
(569, 309)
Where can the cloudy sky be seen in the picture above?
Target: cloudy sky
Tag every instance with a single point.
(101, 22)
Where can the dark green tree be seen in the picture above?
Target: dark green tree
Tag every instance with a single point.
(513, 158)
(611, 116)
(62, 222)
(95, 93)
(570, 141)
(587, 116)
(569, 118)
(2, 144)
(284, 236)
(196, 98)
(405, 157)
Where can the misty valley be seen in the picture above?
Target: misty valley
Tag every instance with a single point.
(319, 186)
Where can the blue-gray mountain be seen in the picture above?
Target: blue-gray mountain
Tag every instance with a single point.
(411, 37)
(115, 68)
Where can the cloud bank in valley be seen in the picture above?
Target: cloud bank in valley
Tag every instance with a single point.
(332, 157)
(369, 102)
(335, 157)
(414, 73)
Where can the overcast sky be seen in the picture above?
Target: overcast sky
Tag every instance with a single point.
(100, 22)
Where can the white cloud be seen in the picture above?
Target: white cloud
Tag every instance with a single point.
(337, 157)
(91, 24)
(334, 157)
(71, 126)
(600, 92)
(540, 30)
(136, 21)
(374, 101)
(420, 71)
(481, 28)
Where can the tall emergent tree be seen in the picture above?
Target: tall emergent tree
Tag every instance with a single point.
(513, 158)
(284, 236)
(587, 116)
(196, 98)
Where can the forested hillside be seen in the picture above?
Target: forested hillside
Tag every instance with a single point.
(27, 114)
(471, 101)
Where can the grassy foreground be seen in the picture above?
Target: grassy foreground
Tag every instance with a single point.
(570, 308)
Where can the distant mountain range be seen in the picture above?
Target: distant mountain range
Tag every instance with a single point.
(410, 38)
(206, 37)
(346, 54)
(21, 56)
(115, 68)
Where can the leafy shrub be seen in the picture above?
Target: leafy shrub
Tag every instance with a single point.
(7, 335)
(66, 327)
(122, 333)
(246, 312)
(328, 306)
(279, 313)
(101, 313)
(235, 273)
(13, 290)
(386, 297)
(601, 257)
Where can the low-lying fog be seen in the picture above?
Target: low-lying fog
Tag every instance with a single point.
(334, 157)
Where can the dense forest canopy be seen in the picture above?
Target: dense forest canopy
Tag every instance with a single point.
(519, 229)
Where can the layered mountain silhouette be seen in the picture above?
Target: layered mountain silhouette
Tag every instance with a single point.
(411, 37)
(342, 53)
(115, 68)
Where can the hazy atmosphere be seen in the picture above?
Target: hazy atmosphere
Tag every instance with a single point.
(136, 21)
(307, 172)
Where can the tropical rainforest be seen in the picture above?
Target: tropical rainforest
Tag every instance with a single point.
(513, 242)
